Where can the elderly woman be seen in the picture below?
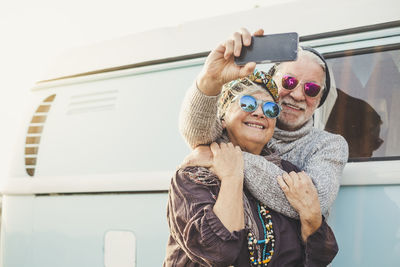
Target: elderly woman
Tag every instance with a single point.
(215, 221)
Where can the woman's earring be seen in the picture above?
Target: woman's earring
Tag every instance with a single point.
(223, 123)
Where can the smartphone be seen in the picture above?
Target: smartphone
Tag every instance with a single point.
(270, 48)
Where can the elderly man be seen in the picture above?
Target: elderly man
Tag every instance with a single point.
(303, 86)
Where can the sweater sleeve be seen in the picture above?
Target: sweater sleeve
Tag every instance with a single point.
(260, 179)
(324, 163)
(321, 247)
(198, 120)
(325, 167)
(195, 226)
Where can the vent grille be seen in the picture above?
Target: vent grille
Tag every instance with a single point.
(33, 136)
(98, 101)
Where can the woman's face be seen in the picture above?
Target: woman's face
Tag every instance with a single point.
(249, 130)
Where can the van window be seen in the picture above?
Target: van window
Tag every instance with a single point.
(367, 110)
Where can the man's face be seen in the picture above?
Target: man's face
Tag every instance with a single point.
(297, 108)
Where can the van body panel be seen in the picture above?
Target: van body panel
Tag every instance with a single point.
(69, 230)
(100, 141)
(366, 223)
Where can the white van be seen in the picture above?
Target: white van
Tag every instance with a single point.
(100, 141)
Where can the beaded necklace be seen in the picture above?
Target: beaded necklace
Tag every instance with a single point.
(254, 245)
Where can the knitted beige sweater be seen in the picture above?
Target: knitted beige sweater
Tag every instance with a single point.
(320, 154)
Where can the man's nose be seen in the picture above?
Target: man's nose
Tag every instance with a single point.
(298, 93)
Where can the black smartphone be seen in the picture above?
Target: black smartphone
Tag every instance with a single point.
(270, 48)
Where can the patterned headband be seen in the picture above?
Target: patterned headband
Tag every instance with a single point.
(261, 78)
(264, 79)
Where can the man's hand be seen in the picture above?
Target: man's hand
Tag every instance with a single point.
(303, 196)
(200, 156)
(220, 67)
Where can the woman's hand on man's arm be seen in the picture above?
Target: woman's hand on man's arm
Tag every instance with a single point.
(226, 161)
(261, 178)
(302, 195)
(228, 166)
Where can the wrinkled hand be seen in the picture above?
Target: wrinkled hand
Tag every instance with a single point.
(200, 156)
(300, 191)
(220, 67)
(303, 196)
(228, 162)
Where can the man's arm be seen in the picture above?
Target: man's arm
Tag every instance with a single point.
(325, 166)
(198, 120)
(260, 178)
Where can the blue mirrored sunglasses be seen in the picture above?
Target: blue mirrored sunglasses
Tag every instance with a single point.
(249, 104)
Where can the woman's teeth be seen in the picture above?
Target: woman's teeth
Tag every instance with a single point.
(255, 125)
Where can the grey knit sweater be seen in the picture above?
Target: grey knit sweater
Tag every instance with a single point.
(320, 154)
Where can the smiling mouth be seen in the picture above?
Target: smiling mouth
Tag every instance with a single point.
(292, 106)
(255, 125)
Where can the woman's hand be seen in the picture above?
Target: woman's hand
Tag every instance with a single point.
(225, 160)
(220, 67)
(303, 196)
(228, 166)
(228, 162)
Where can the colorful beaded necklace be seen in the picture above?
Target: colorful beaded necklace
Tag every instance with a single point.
(254, 245)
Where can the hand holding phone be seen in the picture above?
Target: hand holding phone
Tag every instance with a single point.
(270, 48)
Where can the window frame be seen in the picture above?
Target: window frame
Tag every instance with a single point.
(376, 38)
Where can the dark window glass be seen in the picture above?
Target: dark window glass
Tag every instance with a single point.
(367, 109)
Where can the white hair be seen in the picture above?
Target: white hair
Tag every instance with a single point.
(310, 55)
